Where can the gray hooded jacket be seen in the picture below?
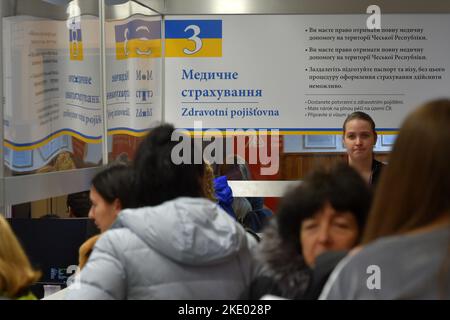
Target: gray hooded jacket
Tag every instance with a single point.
(400, 267)
(187, 248)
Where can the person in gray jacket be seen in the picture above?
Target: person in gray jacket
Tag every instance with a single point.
(177, 245)
(406, 253)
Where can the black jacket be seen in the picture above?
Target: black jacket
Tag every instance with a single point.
(377, 167)
(325, 264)
(284, 272)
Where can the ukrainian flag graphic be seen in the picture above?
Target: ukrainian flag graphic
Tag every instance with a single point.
(193, 38)
(138, 39)
(76, 44)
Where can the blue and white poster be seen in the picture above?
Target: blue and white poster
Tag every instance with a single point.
(133, 75)
(302, 74)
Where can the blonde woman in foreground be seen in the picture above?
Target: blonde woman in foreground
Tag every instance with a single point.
(16, 273)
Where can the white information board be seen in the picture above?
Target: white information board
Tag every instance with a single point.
(302, 73)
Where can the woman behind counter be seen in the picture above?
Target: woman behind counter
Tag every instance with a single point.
(359, 139)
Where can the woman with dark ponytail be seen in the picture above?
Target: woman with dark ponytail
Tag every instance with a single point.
(178, 244)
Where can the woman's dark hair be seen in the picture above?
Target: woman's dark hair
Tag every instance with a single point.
(342, 187)
(235, 168)
(158, 177)
(359, 115)
(115, 182)
(79, 204)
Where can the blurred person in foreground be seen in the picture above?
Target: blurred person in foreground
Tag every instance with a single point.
(178, 244)
(406, 253)
(111, 192)
(317, 223)
(16, 272)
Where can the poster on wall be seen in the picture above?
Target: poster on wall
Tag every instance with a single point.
(302, 74)
(133, 81)
(51, 88)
